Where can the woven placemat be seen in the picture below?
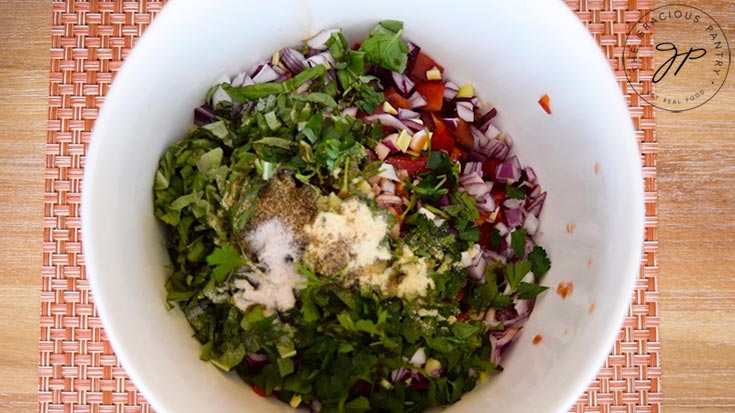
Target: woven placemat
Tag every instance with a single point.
(78, 370)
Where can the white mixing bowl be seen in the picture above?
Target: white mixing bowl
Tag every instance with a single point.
(512, 51)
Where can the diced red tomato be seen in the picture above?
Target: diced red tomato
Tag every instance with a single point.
(420, 385)
(410, 164)
(257, 390)
(442, 139)
(485, 230)
(545, 103)
(482, 218)
(464, 135)
(421, 65)
(361, 388)
(396, 100)
(463, 317)
(490, 166)
(433, 92)
(458, 154)
(498, 193)
(460, 295)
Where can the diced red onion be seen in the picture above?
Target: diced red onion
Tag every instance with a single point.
(498, 344)
(203, 116)
(487, 205)
(350, 111)
(529, 246)
(492, 132)
(256, 357)
(492, 148)
(256, 360)
(419, 358)
(241, 79)
(413, 125)
(521, 310)
(324, 58)
(466, 111)
(382, 151)
(293, 60)
(504, 247)
(535, 205)
(506, 139)
(530, 174)
(304, 87)
(399, 374)
(531, 224)
(476, 271)
(416, 100)
(484, 121)
(475, 100)
(387, 119)
(388, 186)
(475, 156)
(471, 167)
(502, 228)
(450, 90)
(510, 170)
(265, 74)
(318, 40)
(451, 123)
(492, 256)
(514, 217)
(388, 171)
(513, 203)
(444, 200)
(403, 83)
(413, 48)
(404, 114)
(390, 142)
(471, 178)
(469, 256)
(386, 199)
(510, 333)
(535, 192)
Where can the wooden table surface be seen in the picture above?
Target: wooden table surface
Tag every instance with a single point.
(696, 177)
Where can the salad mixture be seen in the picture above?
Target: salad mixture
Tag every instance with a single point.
(347, 229)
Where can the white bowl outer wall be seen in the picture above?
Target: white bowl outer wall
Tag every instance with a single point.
(513, 52)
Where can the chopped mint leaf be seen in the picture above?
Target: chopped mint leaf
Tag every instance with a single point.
(385, 47)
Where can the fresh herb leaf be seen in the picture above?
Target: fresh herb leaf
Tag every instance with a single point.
(316, 97)
(540, 263)
(527, 291)
(514, 273)
(514, 193)
(385, 47)
(518, 242)
(463, 331)
(252, 92)
(224, 259)
(495, 239)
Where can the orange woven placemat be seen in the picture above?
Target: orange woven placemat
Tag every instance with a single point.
(78, 370)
